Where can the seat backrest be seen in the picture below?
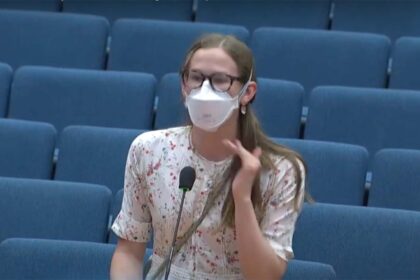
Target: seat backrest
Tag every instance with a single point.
(360, 242)
(254, 14)
(38, 5)
(94, 155)
(392, 18)
(405, 64)
(83, 97)
(158, 46)
(396, 179)
(278, 105)
(319, 57)
(373, 118)
(170, 109)
(52, 39)
(297, 269)
(22, 258)
(115, 9)
(5, 81)
(26, 149)
(53, 210)
(336, 172)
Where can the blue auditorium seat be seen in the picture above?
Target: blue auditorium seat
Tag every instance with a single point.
(36, 5)
(396, 179)
(336, 172)
(116, 207)
(389, 17)
(115, 9)
(373, 118)
(23, 258)
(5, 81)
(158, 46)
(170, 109)
(83, 97)
(254, 14)
(53, 210)
(94, 155)
(297, 269)
(278, 105)
(360, 242)
(406, 64)
(52, 39)
(26, 149)
(319, 57)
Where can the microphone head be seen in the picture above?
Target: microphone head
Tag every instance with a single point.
(187, 178)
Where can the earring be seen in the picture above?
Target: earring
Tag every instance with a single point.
(243, 109)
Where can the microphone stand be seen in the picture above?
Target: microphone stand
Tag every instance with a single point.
(168, 265)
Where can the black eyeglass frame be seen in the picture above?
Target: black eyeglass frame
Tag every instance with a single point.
(185, 73)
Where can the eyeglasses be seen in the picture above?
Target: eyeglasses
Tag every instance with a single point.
(218, 81)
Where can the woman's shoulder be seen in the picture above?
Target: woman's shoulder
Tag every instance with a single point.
(161, 136)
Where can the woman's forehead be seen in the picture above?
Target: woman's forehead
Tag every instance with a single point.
(214, 60)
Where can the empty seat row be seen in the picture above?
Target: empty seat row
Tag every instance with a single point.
(310, 57)
(23, 258)
(322, 230)
(391, 18)
(65, 97)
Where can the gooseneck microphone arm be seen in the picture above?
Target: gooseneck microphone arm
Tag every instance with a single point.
(186, 181)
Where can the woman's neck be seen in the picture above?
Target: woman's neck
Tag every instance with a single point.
(209, 144)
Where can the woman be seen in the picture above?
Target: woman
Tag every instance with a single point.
(238, 220)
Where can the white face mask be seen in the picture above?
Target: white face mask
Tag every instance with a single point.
(209, 109)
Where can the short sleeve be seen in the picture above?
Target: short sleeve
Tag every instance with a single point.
(281, 213)
(133, 222)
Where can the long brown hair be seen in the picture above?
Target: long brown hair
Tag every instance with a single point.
(249, 130)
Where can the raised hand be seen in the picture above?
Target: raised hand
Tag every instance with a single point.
(250, 167)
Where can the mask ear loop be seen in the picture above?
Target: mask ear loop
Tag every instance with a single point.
(243, 90)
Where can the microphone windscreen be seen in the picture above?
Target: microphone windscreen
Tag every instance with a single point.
(187, 178)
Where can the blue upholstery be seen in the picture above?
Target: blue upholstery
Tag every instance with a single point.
(278, 105)
(116, 207)
(26, 149)
(396, 179)
(158, 47)
(373, 118)
(297, 269)
(5, 80)
(336, 172)
(170, 109)
(53, 39)
(389, 17)
(39, 5)
(55, 259)
(360, 242)
(254, 14)
(53, 209)
(115, 9)
(83, 97)
(94, 155)
(318, 57)
(406, 64)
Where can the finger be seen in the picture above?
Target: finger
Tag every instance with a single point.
(230, 145)
(257, 152)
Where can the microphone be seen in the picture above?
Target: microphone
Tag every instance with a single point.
(186, 182)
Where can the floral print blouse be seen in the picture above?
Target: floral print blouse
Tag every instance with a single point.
(152, 200)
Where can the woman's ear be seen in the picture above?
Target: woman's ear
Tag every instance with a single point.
(249, 93)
